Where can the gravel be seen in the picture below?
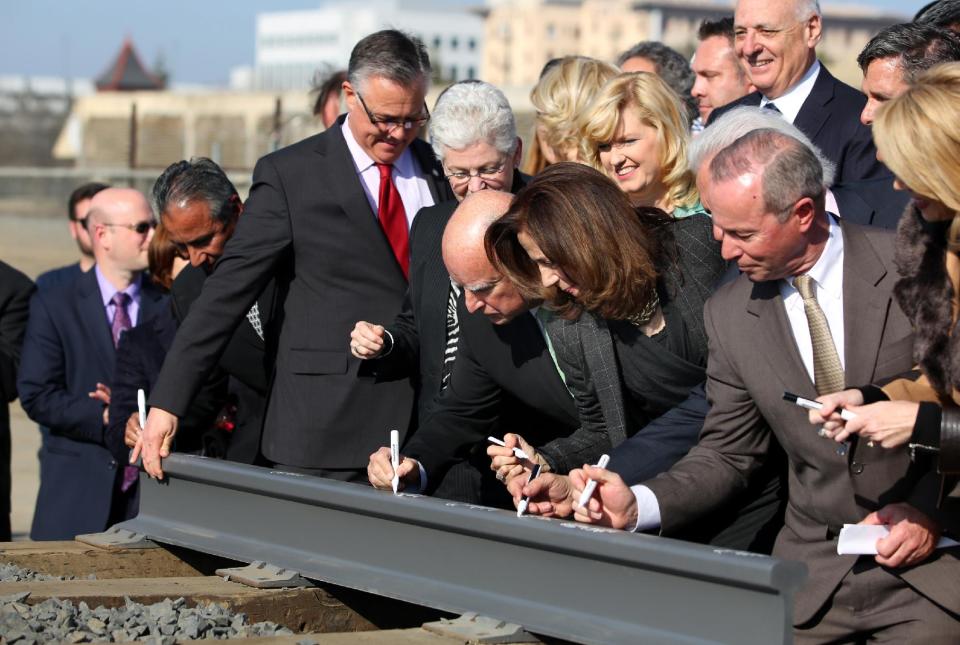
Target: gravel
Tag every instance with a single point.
(161, 623)
(13, 573)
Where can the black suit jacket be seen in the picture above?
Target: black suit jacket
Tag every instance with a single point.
(15, 291)
(424, 313)
(503, 380)
(307, 223)
(831, 118)
(871, 202)
(245, 361)
(66, 351)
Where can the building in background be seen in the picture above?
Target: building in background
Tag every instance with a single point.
(521, 35)
(291, 46)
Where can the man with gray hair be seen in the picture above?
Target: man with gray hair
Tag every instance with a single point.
(329, 219)
(811, 312)
(474, 134)
(896, 56)
(776, 42)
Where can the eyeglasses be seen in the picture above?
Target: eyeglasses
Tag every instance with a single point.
(140, 228)
(490, 173)
(387, 124)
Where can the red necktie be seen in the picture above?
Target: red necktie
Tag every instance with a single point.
(393, 218)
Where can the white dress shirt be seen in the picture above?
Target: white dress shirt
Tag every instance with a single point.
(790, 102)
(407, 176)
(827, 274)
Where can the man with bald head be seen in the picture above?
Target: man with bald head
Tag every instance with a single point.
(67, 364)
(503, 380)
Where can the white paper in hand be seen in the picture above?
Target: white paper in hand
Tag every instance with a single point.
(861, 539)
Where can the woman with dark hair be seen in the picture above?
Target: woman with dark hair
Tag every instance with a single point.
(626, 288)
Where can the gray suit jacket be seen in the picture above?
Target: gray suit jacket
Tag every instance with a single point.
(753, 359)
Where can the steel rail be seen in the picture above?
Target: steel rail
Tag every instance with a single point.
(554, 577)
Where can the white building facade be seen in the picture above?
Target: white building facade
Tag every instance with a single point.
(291, 46)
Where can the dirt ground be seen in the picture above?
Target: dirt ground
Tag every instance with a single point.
(33, 245)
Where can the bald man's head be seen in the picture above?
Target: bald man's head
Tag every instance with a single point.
(466, 260)
(121, 225)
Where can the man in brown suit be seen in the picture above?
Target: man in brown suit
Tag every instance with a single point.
(766, 194)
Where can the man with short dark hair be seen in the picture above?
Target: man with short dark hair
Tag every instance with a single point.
(199, 207)
(776, 42)
(77, 207)
(67, 366)
(329, 219)
(897, 55)
(720, 78)
(669, 64)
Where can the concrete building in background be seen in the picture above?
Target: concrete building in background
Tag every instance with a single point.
(292, 45)
(521, 35)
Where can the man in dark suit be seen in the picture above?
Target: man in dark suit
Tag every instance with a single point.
(312, 222)
(15, 291)
(77, 207)
(503, 379)
(813, 290)
(67, 365)
(896, 56)
(776, 41)
(199, 207)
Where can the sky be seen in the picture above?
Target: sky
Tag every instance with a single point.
(199, 40)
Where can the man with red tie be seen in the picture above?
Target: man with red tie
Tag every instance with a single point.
(328, 217)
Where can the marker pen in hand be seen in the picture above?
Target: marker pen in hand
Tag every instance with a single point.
(141, 412)
(520, 454)
(395, 458)
(846, 415)
(591, 484)
(525, 500)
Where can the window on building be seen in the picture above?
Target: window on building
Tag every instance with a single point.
(453, 73)
(436, 42)
(472, 44)
(551, 30)
(454, 42)
(471, 73)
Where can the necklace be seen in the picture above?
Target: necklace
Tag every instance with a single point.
(644, 316)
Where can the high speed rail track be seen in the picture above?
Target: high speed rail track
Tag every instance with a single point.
(553, 577)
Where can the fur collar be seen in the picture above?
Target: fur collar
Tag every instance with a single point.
(926, 296)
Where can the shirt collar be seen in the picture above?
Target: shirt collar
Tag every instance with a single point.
(107, 290)
(792, 100)
(403, 167)
(827, 272)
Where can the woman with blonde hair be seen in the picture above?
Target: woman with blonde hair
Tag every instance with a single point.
(563, 92)
(636, 132)
(918, 138)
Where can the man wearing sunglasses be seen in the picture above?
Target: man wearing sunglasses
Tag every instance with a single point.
(67, 363)
(329, 218)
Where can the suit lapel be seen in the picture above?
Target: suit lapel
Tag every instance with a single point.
(813, 113)
(431, 171)
(345, 184)
(865, 306)
(93, 317)
(775, 341)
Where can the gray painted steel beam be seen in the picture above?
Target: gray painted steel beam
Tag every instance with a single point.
(553, 577)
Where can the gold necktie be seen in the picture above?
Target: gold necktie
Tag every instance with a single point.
(827, 369)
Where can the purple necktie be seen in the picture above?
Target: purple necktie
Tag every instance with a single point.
(121, 319)
(120, 324)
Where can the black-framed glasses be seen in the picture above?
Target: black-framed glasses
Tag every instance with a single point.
(140, 228)
(490, 173)
(387, 123)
